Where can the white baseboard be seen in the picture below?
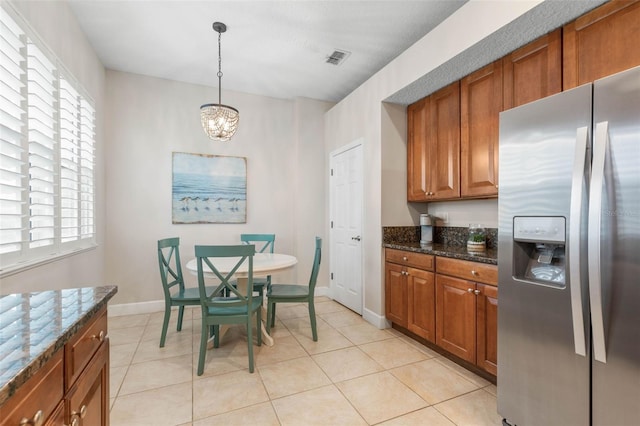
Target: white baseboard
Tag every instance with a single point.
(375, 319)
(136, 308)
(158, 305)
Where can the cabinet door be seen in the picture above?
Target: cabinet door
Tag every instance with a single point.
(417, 116)
(39, 397)
(600, 43)
(481, 103)
(396, 294)
(444, 143)
(533, 71)
(487, 333)
(456, 316)
(422, 303)
(88, 399)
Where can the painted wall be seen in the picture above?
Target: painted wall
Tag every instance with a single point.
(362, 114)
(147, 119)
(57, 27)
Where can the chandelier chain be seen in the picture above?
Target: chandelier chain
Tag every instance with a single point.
(219, 69)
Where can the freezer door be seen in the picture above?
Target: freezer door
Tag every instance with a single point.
(614, 250)
(542, 380)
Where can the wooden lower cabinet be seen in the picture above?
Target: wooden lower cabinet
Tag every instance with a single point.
(421, 316)
(467, 311)
(456, 317)
(88, 399)
(456, 308)
(410, 292)
(487, 328)
(396, 294)
(49, 399)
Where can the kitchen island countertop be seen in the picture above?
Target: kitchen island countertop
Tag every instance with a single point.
(34, 326)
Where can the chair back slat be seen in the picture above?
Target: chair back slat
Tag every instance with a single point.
(206, 256)
(267, 240)
(169, 263)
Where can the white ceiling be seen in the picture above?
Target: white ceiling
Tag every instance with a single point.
(271, 48)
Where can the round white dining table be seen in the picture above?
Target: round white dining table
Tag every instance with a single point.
(263, 264)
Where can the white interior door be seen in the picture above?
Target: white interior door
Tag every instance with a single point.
(346, 226)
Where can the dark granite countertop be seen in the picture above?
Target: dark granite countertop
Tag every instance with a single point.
(34, 326)
(489, 256)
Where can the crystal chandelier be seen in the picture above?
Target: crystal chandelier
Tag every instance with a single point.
(219, 121)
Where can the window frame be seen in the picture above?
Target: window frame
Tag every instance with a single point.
(18, 256)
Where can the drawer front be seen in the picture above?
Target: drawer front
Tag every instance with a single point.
(472, 271)
(410, 258)
(37, 397)
(80, 349)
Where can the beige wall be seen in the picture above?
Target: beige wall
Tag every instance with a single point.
(362, 114)
(58, 29)
(149, 118)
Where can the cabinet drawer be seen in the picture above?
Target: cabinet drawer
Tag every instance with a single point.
(79, 350)
(409, 258)
(472, 271)
(41, 394)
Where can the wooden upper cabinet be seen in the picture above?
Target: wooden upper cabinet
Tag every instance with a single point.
(534, 71)
(444, 143)
(417, 116)
(433, 149)
(481, 103)
(600, 43)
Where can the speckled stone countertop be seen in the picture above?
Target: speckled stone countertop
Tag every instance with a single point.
(34, 326)
(447, 242)
(457, 252)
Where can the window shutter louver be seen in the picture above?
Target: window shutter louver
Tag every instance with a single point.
(47, 152)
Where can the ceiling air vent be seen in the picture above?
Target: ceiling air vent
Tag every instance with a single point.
(337, 57)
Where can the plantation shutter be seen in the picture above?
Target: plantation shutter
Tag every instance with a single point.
(41, 112)
(87, 176)
(12, 154)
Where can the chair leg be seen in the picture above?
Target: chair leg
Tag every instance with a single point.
(180, 315)
(312, 318)
(259, 326)
(269, 314)
(216, 336)
(250, 342)
(165, 324)
(203, 347)
(273, 316)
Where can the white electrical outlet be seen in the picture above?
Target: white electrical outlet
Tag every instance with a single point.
(444, 216)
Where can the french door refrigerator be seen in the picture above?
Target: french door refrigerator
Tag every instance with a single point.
(569, 257)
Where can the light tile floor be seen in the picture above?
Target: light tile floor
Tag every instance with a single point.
(354, 375)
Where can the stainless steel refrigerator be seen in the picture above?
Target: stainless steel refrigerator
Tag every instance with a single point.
(569, 257)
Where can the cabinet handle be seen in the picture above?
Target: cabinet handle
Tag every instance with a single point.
(36, 420)
(470, 290)
(476, 292)
(474, 273)
(99, 337)
(405, 258)
(75, 421)
(82, 413)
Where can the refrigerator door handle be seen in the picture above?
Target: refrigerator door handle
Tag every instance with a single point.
(575, 221)
(601, 141)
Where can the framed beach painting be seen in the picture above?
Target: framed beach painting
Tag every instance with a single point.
(209, 189)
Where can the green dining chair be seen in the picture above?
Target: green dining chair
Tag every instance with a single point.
(175, 293)
(292, 293)
(264, 243)
(237, 308)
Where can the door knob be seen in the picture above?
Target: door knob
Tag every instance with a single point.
(356, 238)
